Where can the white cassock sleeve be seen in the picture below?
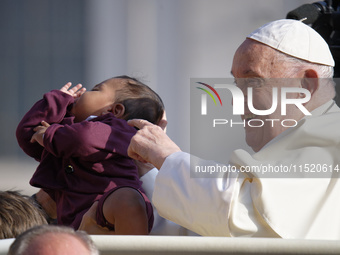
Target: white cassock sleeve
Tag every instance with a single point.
(161, 226)
(207, 206)
(199, 204)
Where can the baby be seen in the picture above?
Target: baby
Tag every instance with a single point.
(80, 139)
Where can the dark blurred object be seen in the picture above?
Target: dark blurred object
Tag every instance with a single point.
(324, 17)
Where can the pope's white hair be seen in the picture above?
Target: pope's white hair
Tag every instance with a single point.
(296, 64)
(325, 73)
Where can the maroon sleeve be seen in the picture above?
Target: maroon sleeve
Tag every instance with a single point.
(89, 140)
(52, 108)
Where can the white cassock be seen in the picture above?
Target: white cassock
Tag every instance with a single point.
(303, 203)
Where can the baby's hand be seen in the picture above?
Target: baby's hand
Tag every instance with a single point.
(38, 136)
(75, 92)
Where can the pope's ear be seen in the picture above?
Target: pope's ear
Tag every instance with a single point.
(310, 81)
(118, 110)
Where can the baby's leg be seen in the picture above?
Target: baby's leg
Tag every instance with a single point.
(125, 209)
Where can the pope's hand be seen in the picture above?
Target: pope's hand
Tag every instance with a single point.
(150, 143)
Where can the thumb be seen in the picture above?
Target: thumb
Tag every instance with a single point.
(45, 124)
(135, 156)
(33, 140)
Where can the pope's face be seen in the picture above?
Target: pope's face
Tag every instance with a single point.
(256, 65)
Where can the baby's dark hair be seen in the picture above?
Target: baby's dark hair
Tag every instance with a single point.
(139, 100)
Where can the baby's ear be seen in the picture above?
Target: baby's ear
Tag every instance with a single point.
(118, 110)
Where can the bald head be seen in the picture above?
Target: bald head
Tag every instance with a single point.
(53, 240)
(57, 244)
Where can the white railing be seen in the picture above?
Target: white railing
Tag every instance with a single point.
(171, 245)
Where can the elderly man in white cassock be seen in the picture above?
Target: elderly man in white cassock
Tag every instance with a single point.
(245, 203)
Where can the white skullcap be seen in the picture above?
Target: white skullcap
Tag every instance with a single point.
(295, 39)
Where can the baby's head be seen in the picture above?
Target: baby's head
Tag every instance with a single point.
(125, 97)
(139, 101)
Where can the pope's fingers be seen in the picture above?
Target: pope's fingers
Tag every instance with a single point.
(132, 154)
(139, 123)
(134, 147)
